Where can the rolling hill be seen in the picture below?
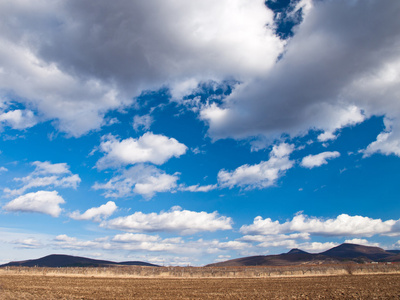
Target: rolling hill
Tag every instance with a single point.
(341, 253)
(60, 260)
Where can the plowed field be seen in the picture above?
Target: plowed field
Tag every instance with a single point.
(321, 287)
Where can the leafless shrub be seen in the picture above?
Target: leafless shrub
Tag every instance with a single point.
(208, 272)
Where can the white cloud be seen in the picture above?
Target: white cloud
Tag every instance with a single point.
(29, 243)
(326, 136)
(317, 247)
(276, 240)
(142, 122)
(311, 161)
(138, 237)
(387, 142)
(329, 77)
(58, 175)
(149, 243)
(362, 242)
(271, 238)
(261, 175)
(40, 202)
(176, 220)
(45, 168)
(344, 117)
(18, 119)
(154, 148)
(96, 213)
(76, 101)
(177, 245)
(342, 225)
(3, 169)
(78, 82)
(198, 188)
(140, 179)
(231, 245)
(63, 241)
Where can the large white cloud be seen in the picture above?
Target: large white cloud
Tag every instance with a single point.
(176, 220)
(154, 148)
(342, 225)
(116, 50)
(40, 202)
(341, 66)
(139, 179)
(261, 175)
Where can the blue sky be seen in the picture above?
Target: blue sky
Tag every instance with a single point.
(185, 133)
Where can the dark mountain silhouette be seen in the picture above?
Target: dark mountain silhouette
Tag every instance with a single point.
(285, 259)
(59, 260)
(355, 251)
(341, 253)
(297, 251)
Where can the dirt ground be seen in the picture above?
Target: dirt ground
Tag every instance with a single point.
(378, 286)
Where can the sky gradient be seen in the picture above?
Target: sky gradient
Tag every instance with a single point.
(191, 132)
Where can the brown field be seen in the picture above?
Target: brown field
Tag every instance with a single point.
(346, 281)
(28, 286)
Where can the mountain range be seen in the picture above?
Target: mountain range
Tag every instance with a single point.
(60, 260)
(343, 253)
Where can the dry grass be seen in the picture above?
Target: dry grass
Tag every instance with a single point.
(27, 286)
(208, 272)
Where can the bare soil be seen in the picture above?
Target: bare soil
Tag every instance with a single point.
(376, 286)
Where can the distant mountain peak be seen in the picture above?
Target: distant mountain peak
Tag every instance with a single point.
(347, 250)
(297, 251)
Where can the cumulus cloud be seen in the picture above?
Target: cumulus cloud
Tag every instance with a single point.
(140, 179)
(40, 202)
(342, 225)
(261, 175)
(176, 220)
(154, 148)
(387, 142)
(78, 82)
(18, 119)
(96, 213)
(311, 161)
(46, 174)
(334, 73)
